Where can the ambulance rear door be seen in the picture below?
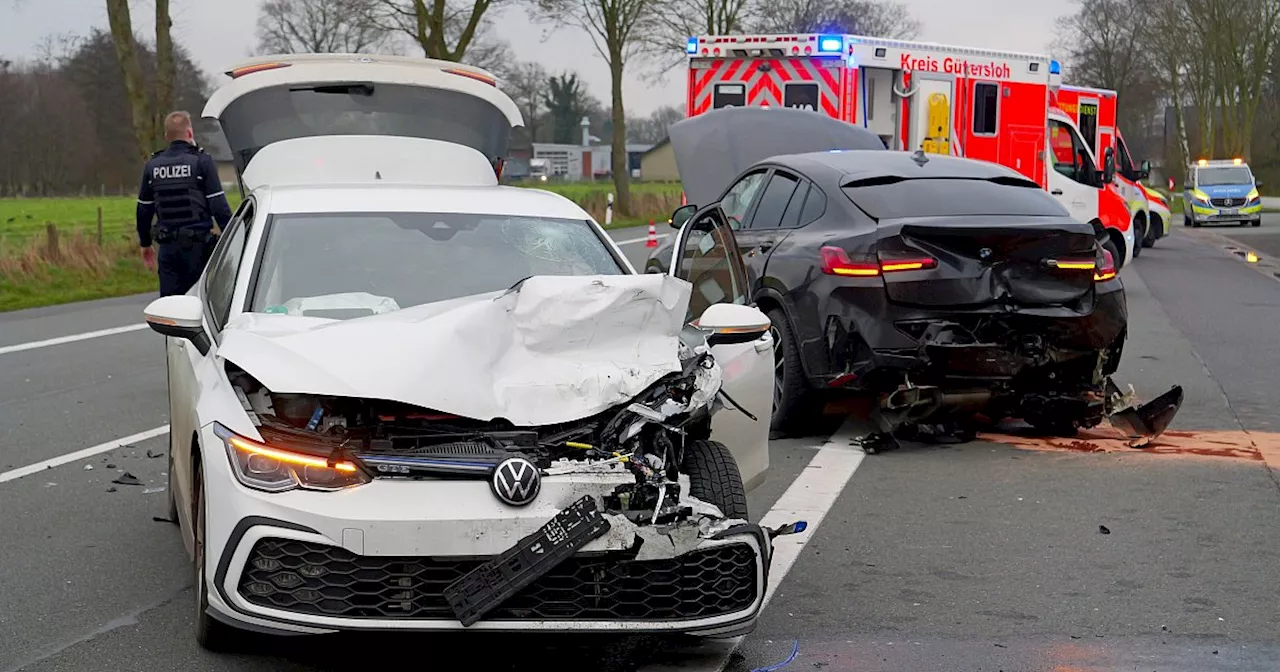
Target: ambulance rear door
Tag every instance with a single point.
(766, 71)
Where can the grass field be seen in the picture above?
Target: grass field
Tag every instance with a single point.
(34, 272)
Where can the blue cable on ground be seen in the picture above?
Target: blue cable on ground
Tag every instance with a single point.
(795, 650)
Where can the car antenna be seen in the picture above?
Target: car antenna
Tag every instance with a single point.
(377, 175)
(920, 157)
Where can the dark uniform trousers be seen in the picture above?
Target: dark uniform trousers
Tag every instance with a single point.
(181, 192)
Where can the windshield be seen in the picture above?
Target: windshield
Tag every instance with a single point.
(347, 265)
(954, 197)
(1213, 177)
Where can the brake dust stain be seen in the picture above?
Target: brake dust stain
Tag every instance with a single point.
(1251, 446)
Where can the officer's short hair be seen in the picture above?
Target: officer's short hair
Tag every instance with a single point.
(176, 125)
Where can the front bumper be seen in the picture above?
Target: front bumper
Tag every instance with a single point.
(377, 557)
(1209, 214)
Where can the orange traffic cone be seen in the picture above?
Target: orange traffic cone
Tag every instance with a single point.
(653, 236)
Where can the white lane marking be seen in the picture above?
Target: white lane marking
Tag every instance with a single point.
(809, 497)
(632, 241)
(32, 345)
(82, 454)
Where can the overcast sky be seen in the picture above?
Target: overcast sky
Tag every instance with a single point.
(219, 32)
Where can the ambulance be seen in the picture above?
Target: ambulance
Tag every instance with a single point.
(1095, 112)
(977, 103)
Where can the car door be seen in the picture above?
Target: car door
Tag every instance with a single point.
(190, 371)
(707, 256)
(776, 213)
(1071, 180)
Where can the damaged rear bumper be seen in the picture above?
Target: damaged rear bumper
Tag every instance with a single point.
(379, 558)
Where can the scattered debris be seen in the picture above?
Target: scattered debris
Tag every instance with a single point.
(1104, 529)
(795, 650)
(111, 488)
(88, 467)
(127, 479)
(152, 491)
(1144, 423)
(111, 466)
(50, 485)
(162, 519)
(154, 454)
(1001, 646)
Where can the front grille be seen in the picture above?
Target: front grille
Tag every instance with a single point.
(1227, 202)
(331, 581)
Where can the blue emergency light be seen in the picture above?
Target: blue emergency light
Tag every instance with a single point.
(1055, 68)
(830, 44)
(691, 46)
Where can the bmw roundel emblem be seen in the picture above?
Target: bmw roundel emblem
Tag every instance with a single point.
(985, 253)
(516, 481)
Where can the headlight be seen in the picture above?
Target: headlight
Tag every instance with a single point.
(1200, 196)
(277, 469)
(1254, 195)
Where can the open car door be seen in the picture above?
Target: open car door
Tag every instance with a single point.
(280, 98)
(707, 256)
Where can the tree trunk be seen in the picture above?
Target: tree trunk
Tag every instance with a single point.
(127, 57)
(164, 68)
(620, 164)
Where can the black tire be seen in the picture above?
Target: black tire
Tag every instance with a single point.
(1195, 224)
(173, 495)
(1257, 222)
(714, 477)
(211, 634)
(1154, 229)
(1110, 246)
(1186, 220)
(795, 404)
(1139, 237)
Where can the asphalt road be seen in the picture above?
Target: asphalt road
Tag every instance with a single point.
(983, 556)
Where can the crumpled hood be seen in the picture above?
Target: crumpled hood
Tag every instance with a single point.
(556, 349)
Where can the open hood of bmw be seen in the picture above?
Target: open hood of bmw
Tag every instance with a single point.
(714, 148)
(554, 349)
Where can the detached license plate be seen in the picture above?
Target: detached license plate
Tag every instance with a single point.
(484, 588)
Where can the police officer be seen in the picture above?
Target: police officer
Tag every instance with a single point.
(181, 190)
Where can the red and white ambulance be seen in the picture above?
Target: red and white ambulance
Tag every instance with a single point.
(1095, 112)
(977, 103)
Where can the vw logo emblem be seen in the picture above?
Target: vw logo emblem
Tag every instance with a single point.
(516, 481)
(984, 253)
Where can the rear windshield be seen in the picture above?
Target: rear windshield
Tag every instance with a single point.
(262, 117)
(345, 265)
(947, 197)
(1227, 175)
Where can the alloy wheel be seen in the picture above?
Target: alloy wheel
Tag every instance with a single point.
(779, 366)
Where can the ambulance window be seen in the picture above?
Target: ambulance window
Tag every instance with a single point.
(729, 95)
(1069, 154)
(774, 201)
(803, 96)
(986, 101)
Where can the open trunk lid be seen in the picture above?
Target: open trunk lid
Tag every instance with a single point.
(980, 261)
(277, 98)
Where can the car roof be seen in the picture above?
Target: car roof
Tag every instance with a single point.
(495, 200)
(842, 167)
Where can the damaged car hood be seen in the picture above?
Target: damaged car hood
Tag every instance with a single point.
(714, 148)
(552, 349)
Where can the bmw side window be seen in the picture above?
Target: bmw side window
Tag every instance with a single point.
(815, 206)
(225, 265)
(738, 199)
(774, 201)
(709, 260)
(791, 218)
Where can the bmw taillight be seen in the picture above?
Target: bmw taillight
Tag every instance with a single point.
(836, 261)
(1107, 270)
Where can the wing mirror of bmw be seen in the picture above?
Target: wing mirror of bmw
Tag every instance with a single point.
(728, 323)
(682, 215)
(180, 317)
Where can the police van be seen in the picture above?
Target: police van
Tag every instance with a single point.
(1219, 192)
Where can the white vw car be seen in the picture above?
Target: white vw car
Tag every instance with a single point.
(403, 397)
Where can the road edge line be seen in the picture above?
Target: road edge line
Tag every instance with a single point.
(15, 474)
(33, 345)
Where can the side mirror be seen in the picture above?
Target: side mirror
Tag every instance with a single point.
(682, 215)
(1145, 170)
(180, 317)
(727, 323)
(1109, 166)
(1257, 183)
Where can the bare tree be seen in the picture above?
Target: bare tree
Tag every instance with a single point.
(444, 29)
(320, 26)
(612, 25)
(1241, 40)
(871, 18)
(140, 111)
(653, 128)
(672, 22)
(527, 84)
(1101, 41)
(164, 68)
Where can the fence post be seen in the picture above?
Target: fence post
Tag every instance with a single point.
(52, 250)
(608, 210)
(99, 226)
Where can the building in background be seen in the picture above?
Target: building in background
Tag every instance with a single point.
(588, 160)
(659, 163)
(209, 136)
